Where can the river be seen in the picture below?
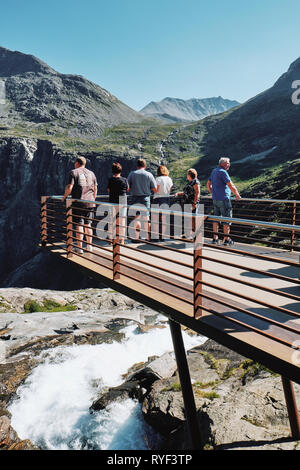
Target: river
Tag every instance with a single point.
(52, 406)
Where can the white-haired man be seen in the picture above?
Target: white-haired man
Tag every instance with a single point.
(220, 186)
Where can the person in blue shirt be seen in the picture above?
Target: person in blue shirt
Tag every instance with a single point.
(220, 186)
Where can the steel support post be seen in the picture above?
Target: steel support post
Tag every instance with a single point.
(186, 385)
(291, 407)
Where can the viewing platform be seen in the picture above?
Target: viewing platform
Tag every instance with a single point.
(244, 296)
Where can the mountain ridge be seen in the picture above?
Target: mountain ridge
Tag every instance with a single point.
(193, 109)
(38, 97)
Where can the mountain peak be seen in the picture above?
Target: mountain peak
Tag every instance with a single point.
(17, 63)
(177, 109)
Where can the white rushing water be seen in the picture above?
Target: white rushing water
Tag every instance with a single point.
(52, 406)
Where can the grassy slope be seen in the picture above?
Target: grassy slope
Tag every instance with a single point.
(188, 147)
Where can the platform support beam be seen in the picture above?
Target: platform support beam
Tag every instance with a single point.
(291, 407)
(186, 385)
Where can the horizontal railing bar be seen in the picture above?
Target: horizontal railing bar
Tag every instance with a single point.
(98, 246)
(259, 302)
(247, 199)
(261, 240)
(181, 263)
(247, 268)
(169, 271)
(174, 284)
(256, 223)
(253, 255)
(151, 286)
(249, 284)
(109, 258)
(207, 217)
(275, 201)
(246, 325)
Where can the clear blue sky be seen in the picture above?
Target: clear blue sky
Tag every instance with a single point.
(145, 50)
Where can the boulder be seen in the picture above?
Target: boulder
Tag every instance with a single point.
(9, 439)
(138, 383)
(240, 404)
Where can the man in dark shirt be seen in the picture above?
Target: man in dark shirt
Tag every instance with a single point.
(117, 188)
(82, 184)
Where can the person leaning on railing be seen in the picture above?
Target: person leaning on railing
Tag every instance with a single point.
(190, 196)
(82, 184)
(220, 186)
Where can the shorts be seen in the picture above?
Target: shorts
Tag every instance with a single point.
(122, 210)
(83, 216)
(223, 209)
(141, 201)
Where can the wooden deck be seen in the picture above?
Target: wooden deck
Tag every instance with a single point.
(248, 303)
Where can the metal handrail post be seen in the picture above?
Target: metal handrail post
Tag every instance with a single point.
(44, 220)
(69, 228)
(294, 207)
(116, 242)
(198, 243)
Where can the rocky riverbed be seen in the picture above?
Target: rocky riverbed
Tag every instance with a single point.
(240, 404)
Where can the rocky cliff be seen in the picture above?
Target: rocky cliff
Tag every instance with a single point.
(29, 169)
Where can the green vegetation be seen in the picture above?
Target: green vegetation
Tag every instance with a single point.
(209, 395)
(48, 305)
(175, 387)
(206, 384)
(250, 369)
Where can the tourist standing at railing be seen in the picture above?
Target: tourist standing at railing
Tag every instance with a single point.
(117, 188)
(190, 198)
(220, 186)
(82, 184)
(141, 183)
(161, 198)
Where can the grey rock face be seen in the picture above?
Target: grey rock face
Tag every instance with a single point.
(38, 96)
(239, 404)
(174, 109)
(31, 168)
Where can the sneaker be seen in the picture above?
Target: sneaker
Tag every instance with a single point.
(215, 241)
(228, 242)
(89, 248)
(78, 250)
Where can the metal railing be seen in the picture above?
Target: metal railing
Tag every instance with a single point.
(260, 283)
(279, 211)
